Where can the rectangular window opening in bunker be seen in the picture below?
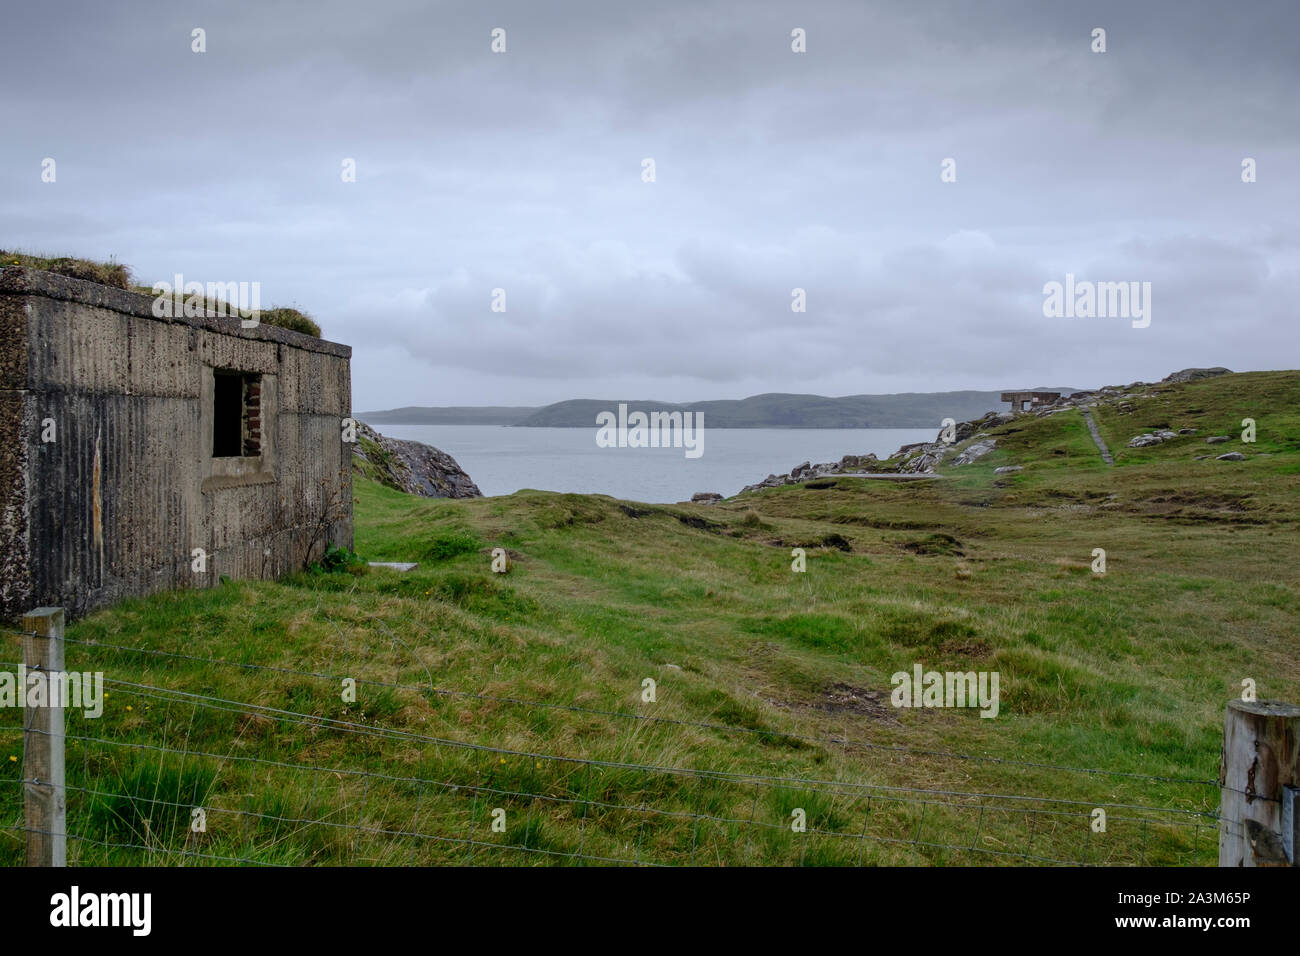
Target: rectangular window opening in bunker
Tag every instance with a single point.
(236, 414)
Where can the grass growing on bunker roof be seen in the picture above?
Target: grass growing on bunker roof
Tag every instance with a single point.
(119, 276)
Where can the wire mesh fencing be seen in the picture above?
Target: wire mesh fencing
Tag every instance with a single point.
(180, 776)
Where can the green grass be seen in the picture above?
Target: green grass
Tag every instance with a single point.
(119, 276)
(105, 273)
(295, 320)
(759, 672)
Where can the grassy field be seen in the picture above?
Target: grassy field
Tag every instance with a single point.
(523, 692)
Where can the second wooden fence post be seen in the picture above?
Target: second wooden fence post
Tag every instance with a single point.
(1258, 776)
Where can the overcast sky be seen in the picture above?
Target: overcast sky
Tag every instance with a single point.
(774, 170)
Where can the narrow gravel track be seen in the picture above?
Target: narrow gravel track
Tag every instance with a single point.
(1096, 436)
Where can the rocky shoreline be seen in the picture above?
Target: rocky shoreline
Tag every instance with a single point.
(420, 469)
(923, 458)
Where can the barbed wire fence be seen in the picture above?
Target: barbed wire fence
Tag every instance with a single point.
(197, 778)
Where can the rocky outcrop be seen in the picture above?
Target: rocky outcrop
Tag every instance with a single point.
(849, 464)
(1193, 374)
(923, 458)
(975, 451)
(1148, 439)
(410, 466)
(1151, 438)
(917, 460)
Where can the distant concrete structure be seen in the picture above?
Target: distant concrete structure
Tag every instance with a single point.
(1019, 400)
(140, 453)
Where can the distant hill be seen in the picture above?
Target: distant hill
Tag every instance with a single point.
(450, 415)
(772, 410)
(777, 410)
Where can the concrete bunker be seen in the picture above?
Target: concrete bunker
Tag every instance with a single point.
(1019, 400)
(140, 453)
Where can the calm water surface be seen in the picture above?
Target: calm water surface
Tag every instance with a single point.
(503, 460)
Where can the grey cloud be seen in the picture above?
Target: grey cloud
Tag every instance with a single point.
(775, 170)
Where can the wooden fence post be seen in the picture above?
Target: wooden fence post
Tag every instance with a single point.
(45, 796)
(1261, 757)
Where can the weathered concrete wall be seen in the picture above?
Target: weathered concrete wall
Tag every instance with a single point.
(116, 505)
(14, 573)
